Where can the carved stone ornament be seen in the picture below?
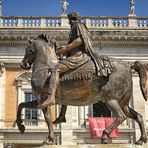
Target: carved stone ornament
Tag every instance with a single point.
(25, 76)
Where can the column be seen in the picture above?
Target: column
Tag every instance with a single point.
(139, 104)
(2, 94)
(81, 112)
(67, 128)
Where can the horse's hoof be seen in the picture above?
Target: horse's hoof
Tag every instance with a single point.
(48, 141)
(141, 141)
(103, 141)
(21, 128)
(59, 120)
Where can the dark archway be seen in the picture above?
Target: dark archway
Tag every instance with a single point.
(101, 110)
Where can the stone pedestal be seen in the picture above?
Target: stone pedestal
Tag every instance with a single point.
(97, 146)
(132, 21)
(64, 22)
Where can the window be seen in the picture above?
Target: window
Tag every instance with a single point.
(30, 113)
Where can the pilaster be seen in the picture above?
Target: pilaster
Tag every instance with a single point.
(2, 94)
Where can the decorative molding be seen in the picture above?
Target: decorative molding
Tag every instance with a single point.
(97, 41)
(23, 76)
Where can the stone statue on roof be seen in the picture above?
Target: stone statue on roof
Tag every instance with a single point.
(132, 7)
(64, 7)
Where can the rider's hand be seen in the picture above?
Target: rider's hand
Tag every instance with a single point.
(61, 50)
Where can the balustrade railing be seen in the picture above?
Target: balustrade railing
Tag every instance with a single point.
(120, 22)
(31, 122)
(59, 22)
(30, 22)
(142, 22)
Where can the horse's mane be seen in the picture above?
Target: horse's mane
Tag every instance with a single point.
(48, 39)
(43, 37)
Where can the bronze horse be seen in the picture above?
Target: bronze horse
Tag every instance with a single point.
(81, 87)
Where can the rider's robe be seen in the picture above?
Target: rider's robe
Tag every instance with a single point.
(80, 55)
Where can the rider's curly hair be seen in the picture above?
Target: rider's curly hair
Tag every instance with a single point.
(74, 16)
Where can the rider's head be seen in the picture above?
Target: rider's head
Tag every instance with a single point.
(73, 17)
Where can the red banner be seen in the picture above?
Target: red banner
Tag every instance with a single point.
(99, 124)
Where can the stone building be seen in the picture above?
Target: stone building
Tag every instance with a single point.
(125, 38)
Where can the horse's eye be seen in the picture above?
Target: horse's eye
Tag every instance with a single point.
(29, 51)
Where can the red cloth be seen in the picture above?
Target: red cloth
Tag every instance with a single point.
(99, 124)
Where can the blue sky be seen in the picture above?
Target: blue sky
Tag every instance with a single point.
(84, 7)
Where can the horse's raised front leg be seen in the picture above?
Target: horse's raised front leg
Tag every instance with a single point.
(47, 114)
(30, 105)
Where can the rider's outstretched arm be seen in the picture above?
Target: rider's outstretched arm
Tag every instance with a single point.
(64, 49)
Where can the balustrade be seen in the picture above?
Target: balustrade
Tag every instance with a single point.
(100, 22)
(142, 22)
(55, 22)
(120, 22)
(31, 122)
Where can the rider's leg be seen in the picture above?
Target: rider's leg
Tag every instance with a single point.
(54, 82)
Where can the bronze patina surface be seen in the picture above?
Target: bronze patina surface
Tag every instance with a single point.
(85, 81)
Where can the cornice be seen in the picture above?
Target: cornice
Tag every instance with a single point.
(106, 38)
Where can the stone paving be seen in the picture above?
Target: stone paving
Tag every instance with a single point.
(98, 146)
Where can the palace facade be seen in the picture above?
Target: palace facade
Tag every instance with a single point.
(124, 38)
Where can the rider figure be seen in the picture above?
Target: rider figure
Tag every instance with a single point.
(78, 51)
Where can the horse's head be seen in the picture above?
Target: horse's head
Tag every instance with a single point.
(29, 56)
(36, 44)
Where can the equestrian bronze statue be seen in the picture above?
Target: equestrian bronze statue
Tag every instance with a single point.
(82, 78)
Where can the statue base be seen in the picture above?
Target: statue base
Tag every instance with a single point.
(96, 146)
(131, 15)
(63, 15)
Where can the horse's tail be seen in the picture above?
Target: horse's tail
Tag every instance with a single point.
(141, 68)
